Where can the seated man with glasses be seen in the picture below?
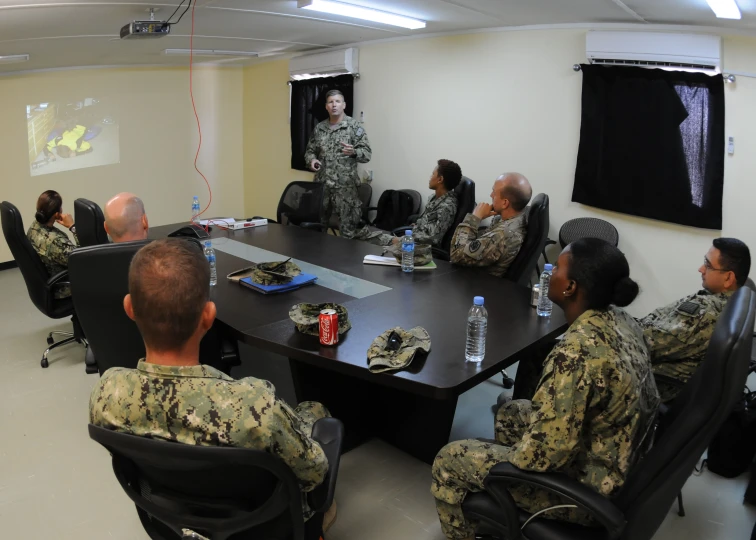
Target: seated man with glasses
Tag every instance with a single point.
(678, 334)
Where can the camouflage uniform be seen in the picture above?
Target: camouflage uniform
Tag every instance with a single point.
(200, 405)
(338, 171)
(53, 246)
(593, 409)
(429, 228)
(678, 340)
(496, 247)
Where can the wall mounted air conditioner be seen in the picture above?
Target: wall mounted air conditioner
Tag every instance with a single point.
(324, 64)
(650, 49)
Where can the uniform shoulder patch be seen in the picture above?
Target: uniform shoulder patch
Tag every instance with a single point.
(474, 246)
(360, 131)
(689, 308)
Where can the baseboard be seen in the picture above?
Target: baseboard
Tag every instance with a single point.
(8, 265)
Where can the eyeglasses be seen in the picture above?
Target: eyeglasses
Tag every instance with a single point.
(708, 266)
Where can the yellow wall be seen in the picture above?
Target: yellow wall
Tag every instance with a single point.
(158, 139)
(496, 102)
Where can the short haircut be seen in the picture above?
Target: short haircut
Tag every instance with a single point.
(48, 204)
(451, 172)
(335, 93)
(602, 273)
(169, 283)
(517, 195)
(734, 256)
(130, 220)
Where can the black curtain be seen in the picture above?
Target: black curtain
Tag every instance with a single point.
(652, 144)
(308, 108)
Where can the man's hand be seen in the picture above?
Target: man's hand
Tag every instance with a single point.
(396, 240)
(347, 149)
(315, 165)
(483, 210)
(65, 219)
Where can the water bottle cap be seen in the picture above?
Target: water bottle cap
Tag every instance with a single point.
(208, 243)
(548, 267)
(478, 300)
(408, 232)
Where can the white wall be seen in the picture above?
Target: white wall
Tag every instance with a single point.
(158, 138)
(510, 101)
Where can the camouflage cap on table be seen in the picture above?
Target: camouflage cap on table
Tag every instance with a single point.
(413, 340)
(423, 253)
(274, 273)
(305, 317)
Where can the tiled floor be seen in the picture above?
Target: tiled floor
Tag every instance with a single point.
(56, 483)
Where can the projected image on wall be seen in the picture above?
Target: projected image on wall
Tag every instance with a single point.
(67, 136)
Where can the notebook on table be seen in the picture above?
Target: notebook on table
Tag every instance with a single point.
(298, 281)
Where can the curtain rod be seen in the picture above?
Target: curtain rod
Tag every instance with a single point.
(728, 77)
(355, 75)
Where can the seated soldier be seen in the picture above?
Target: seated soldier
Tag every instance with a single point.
(678, 335)
(171, 396)
(438, 215)
(125, 218)
(498, 245)
(594, 407)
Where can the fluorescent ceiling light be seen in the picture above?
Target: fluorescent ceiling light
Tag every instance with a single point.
(725, 9)
(14, 58)
(206, 52)
(359, 12)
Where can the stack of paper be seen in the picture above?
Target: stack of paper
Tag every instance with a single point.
(297, 282)
(391, 261)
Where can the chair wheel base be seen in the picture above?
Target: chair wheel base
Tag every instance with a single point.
(44, 363)
(50, 340)
(89, 370)
(507, 383)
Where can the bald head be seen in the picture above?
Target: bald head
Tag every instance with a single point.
(125, 219)
(510, 195)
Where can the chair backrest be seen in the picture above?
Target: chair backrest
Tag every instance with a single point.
(90, 223)
(465, 191)
(214, 491)
(750, 284)
(99, 280)
(29, 262)
(578, 228)
(394, 209)
(417, 199)
(692, 421)
(522, 267)
(300, 202)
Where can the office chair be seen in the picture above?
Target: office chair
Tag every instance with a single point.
(465, 191)
(219, 492)
(90, 223)
(654, 482)
(521, 269)
(364, 193)
(300, 204)
(39, 284)
(99, 281)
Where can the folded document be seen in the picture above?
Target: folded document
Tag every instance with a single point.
(296, 282)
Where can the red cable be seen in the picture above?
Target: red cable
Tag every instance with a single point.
(194, 107)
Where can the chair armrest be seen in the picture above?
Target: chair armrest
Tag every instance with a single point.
(399, 231)
(58, 279)
(313, 226)
(600, 508)
(549, 242)
(440, 254)
(329, 433)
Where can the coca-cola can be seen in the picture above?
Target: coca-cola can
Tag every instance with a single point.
(329, 327)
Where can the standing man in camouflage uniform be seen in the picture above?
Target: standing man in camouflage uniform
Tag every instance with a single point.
(594, 407)
(430, 228)
(497, 246)
(171, 396)
(334, 149)
(52, 245)
(678, 335)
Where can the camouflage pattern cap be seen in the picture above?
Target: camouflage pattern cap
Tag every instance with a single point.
(274, 273)
(305, 317)
(382, 358)
(423, 253)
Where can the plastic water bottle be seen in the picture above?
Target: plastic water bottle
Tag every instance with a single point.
(210, 254)
(195, 210)
(408, 252)
(544, 304)
(477, 324)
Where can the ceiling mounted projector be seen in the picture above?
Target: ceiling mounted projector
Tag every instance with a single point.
(145, 29)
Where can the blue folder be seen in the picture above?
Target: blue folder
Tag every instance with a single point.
(295, 283)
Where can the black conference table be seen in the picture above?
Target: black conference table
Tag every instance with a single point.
(412, 409)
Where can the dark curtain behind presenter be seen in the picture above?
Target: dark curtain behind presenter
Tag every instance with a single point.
(308, 109)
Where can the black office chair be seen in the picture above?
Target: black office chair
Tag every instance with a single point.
(300, 203)
(586, 227)
(219, 492)
(465, 191)
(90, 223)
(654, 483)
(365, 194)
(521, 269)
(39, 284)
(99, 281)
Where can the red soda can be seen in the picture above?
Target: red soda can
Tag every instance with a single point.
(329, 327)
